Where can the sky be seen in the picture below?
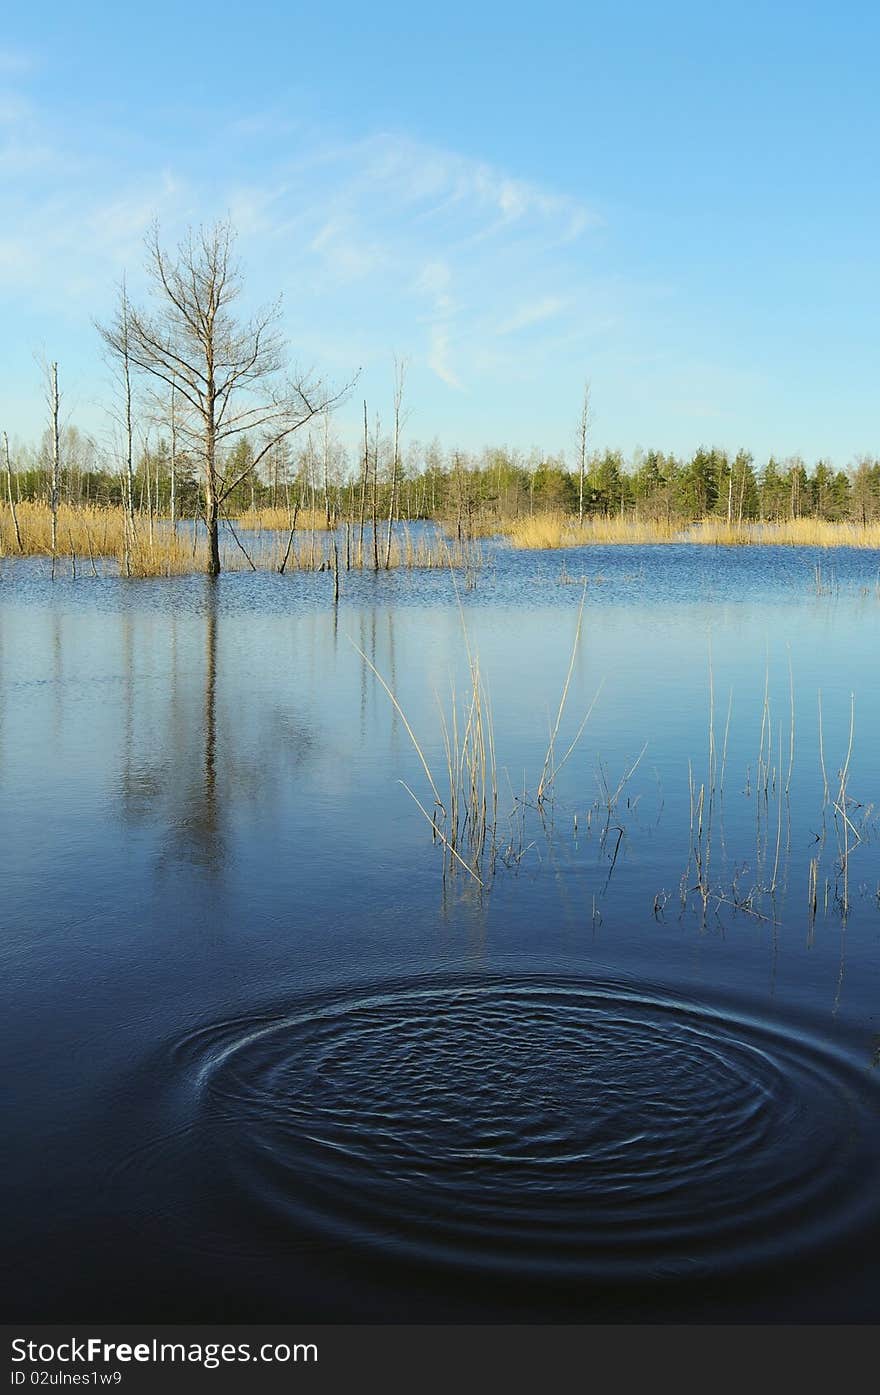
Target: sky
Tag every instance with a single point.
(678, 203)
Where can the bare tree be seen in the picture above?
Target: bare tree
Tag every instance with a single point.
(399, 380)
(582, 432)
(364, 475)
(229, 371)
(53, 398)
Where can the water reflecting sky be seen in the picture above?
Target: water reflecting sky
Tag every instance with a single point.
(203, 816)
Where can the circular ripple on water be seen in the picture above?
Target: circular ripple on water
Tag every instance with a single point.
(535, 1126)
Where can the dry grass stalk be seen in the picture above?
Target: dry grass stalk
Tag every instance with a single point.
(554, 529)
(143, 551)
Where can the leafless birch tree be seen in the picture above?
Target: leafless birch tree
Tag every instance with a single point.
(229, 371)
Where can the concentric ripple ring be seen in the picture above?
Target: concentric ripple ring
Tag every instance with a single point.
(535, 1126)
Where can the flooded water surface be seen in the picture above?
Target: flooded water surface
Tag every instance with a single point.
(278, 1051)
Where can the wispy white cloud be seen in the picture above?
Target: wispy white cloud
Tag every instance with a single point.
(346, 252)
(483, 199)
(438, 357)
(434, 285)
(548, 308)
(382, 244)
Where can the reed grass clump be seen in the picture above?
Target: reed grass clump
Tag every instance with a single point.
(816, 532)
(83, 530)
(89, 535)
(464, 818)
(280, 520)
(168, 554)
(145, 546)
(791, 532)
(312, 551)
(555, 529)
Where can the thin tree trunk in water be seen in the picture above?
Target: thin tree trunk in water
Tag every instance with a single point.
(327, 469)
(9, 492)
(376, 499)
(212, 523)
(395, 454)
(56, 461)
(173, 460)
(290, 539)
(149, 497)
(212, 492)
(129, 437)
(363, 491)
(583, 426)
(391, 510)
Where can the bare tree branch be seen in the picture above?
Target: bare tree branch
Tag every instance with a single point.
(228, 370)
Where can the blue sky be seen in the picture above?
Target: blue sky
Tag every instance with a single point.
(679, 202)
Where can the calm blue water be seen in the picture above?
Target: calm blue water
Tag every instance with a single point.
(272, 1053)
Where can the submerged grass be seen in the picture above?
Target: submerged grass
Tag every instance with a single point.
(283, 540)
(719, 879)
(756, 882)
(147, 547)
(465, 819)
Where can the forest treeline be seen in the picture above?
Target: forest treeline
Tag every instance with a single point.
(209, 423)
(454, 485)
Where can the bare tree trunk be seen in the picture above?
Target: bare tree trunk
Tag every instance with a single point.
(54, 401)
(364, 490)
(583, 427)
(212, 500)
(376, 498)
(399, 375)
(126, 382)
(326, 464)
(9, 492)
(289, 548)
(173, 458)
(150, 492)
